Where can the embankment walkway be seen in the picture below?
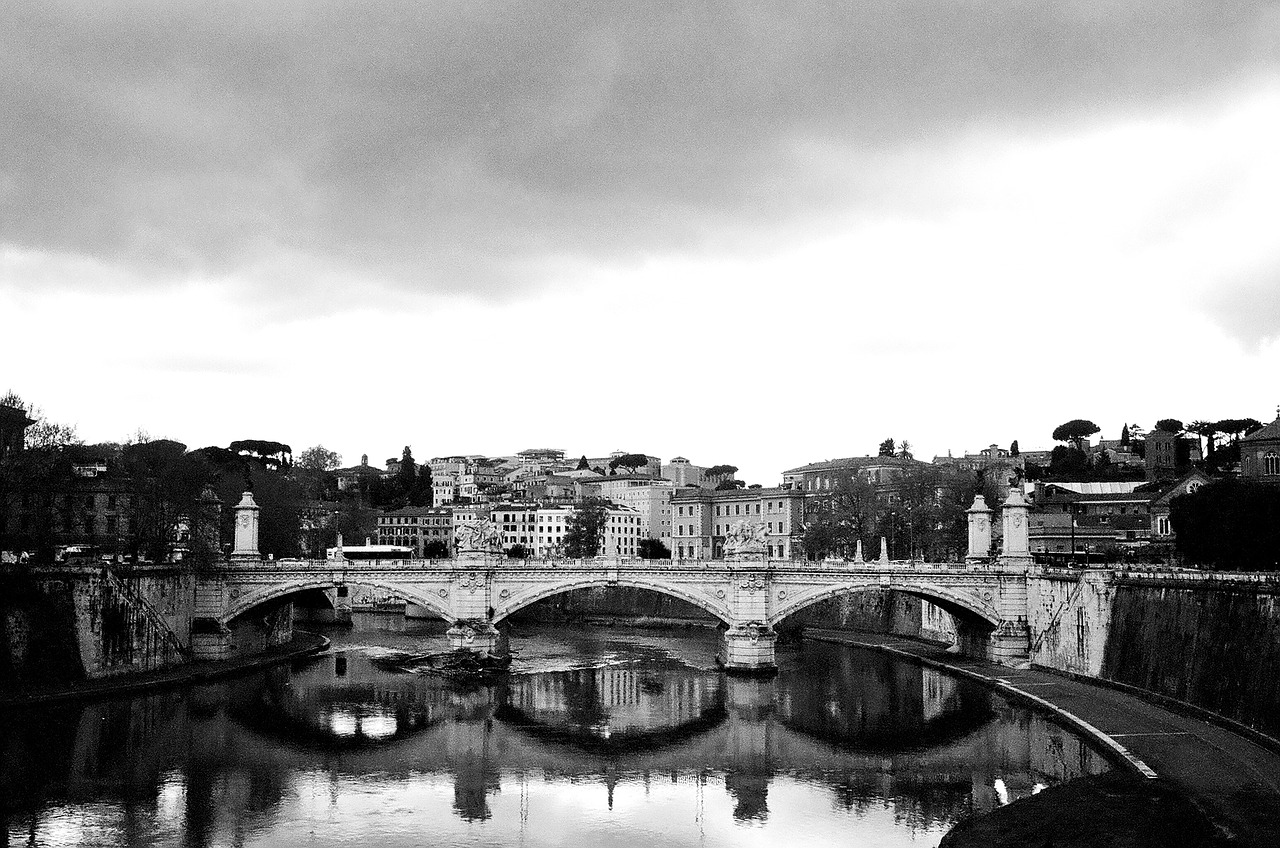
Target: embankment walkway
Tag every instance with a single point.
(1234, 781)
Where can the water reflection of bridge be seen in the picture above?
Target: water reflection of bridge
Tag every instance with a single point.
(935, 752)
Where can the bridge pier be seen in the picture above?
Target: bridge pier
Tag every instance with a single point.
(479, 637)
(749, 649)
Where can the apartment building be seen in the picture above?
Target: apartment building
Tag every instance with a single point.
(649, 496)
(413, 527)
(702, 518)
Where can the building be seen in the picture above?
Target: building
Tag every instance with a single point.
(1162, 498)
(650, 496)
(518, 524)
(415, 526)
(885, 474)
(541, 457)
(684, 473)
(13, 429)
(620, 534)
(1161, 455)
(1260, 454)
(357, 476)
(702, 517)
(1093, 518)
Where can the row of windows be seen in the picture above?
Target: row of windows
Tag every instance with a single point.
(692, 529)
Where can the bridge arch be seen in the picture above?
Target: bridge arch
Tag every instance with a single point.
(966, 608)
(508, 606)
(241, 605)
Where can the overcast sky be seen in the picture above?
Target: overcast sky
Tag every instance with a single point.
(735, 232)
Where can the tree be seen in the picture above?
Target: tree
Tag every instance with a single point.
(1229, 524)
(319, 459)
(729, 485)
(165, 486)
(272, 454)
(517, 551)
(630, 461)
(1013, 448)
(888, 447)
(839, 517)
(1068, 463)
(1075, 432)
(585, 531)
(422, 492)
(1124, 435)
(314, 470)
(40, 475)
(1170, 425)
(653, 549)
(435, 549)
(904, 450)
(582, 464)
(408, 474)
(1204, 430)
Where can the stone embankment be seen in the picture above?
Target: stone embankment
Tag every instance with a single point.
(1210, 640)
(301, 645)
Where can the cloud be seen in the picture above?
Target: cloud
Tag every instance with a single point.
(485, 148)
(1248, 307)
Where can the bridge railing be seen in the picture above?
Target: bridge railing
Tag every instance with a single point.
(499, 563)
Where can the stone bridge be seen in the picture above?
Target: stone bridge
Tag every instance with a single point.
(749, 593)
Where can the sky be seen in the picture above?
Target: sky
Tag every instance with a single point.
(743, 233)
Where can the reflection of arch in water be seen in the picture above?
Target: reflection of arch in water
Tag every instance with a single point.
(509, 606)
(616, 743)
(947, 729)
(588, 699)
(353, 716)
(249, 601)
(875, 703)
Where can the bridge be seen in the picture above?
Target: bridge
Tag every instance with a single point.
(748, 592)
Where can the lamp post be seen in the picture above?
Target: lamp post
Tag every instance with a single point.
(1073, 539)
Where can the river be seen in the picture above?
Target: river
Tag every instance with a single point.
(599, 737)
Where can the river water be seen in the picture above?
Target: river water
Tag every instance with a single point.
(599, 737)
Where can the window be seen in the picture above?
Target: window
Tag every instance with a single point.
(1271, 463)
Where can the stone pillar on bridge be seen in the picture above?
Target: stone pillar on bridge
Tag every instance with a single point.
(749, 642)
(979, 531)
(479, 547)
(246, 539)
(1011, 639)
(884, 551)
(1016, 546)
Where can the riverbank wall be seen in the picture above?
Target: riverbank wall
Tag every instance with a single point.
(72, 623)
(88, 622)
(1211, 640)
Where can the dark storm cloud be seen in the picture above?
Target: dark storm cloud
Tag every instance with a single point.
(458, 146)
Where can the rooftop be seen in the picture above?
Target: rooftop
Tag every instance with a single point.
(854, 462)
(1270, 431)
